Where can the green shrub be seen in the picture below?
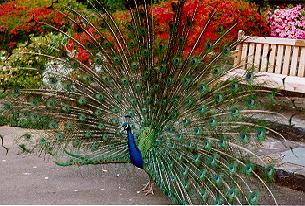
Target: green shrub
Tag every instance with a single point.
(24, 68)
(114, 5)
(20, 18)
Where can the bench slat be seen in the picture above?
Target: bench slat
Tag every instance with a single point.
(286, 63)
(237, 56)
(294, 61)
(264, 58)
(244, 56)
(250, 56)
(272, 58)
(257, 57)
(302, 63)
(279, 59)
(274, 40)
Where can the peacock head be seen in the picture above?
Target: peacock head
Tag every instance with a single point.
(126, 125)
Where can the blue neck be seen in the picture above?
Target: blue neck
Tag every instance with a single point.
(134, 152)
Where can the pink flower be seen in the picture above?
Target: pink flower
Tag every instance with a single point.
(288, 23)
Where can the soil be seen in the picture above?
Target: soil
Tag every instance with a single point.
(289, 132)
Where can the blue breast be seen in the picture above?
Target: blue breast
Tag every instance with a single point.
(134, 151)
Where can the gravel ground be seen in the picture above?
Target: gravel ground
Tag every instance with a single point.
(32, 180)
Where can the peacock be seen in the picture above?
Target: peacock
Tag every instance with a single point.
(132, 87)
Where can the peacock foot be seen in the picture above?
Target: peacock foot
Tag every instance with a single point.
(145, 186)
(148, 188)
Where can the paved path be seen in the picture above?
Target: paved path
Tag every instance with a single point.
(31, 180)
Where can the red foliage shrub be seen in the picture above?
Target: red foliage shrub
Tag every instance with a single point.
(225, 17)
(78, 42)
(196, 14)
(17, 22)
(83, 55)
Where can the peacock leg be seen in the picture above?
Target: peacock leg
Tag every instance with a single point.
(145, 186)
(148, 188)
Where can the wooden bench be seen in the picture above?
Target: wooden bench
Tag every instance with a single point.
(278, 62)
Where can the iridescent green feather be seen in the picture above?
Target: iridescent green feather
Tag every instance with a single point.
(146, 140)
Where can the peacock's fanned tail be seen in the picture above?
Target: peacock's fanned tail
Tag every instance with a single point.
(194, 125)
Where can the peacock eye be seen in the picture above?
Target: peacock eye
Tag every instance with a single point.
(217, 178)
(163, 68)
(203, 88)
(261, 134)
(176, 61)
(42, 141)
(134, 66)
(146, 74)
(82, 101)
(212, 122)
(101, 126)
(131, 44)
(115, 110)
(202, 193)
(88, 134)
(218, 200)
(219, 98)
(235, 112)
(179, 137)
(194, 61)
(207, 144)
(116, 60)
(208, 47)
(253, 197)
(60, 136)
(248, 168)
(114, 121)
(27, 136)
(234, 86)
(226, 50)
(232, 193)
(156, 88)
(69, 125)
(74, 64)
(53, 80)
(76, 143)
(146, 53)
(118, 97)
(197, 131)
(149, 99)
(162, 46)
(82, 117)
(97, 60)
(53, 124)
(232, 168)
(249, 76)
(250, 102)
(216, 70)
(244, 138)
